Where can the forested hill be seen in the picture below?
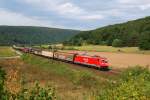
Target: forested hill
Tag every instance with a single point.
(33, 35)
(132, 33)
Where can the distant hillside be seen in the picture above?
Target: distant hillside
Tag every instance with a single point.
(132, 33)
(33, 35)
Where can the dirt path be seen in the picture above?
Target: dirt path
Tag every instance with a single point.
(123, 60)
(13, 57)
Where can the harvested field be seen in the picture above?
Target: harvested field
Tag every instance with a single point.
(100, 48)
(122, 60)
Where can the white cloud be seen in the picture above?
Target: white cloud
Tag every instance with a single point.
(141, 4)
(64, 8)
(90, 17)
(127, 1)
(69, 8)
(134, 1)
(75, 14)
(144, 7)
(13, 18)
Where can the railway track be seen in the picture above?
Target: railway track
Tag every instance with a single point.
(108, 75)
(94, 70)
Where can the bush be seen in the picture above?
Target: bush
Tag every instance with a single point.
(2, 78)
(134, 84)
(145, 41)
(35, 93)
(117, 43)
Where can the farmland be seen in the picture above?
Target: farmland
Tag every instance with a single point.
(99, 48)
(70, 83)
(75, 82)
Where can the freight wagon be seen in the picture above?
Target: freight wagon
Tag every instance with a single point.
(36, 51)
(64, 56)
(47, 54)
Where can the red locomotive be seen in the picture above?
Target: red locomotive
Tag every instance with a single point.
(95, 61)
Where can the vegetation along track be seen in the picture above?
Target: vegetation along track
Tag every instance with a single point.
(96, 70)
(107, 75)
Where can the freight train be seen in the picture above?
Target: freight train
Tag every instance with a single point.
(83, 59)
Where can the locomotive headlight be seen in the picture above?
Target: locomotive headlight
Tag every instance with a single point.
(104, 61)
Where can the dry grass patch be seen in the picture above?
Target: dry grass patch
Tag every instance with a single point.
(7, 52)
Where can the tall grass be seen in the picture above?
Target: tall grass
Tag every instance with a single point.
(61, 69)
(6, 52)
(35, 93)
(134, 84)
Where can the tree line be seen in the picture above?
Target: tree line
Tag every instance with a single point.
(134, 33)
(10, 35)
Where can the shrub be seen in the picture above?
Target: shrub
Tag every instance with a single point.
(145, 41)
(134, 84)
(2, 78)
(117, 43)
(35, 93)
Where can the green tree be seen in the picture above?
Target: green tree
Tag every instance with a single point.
(2, 78)
(117, 43)
(28, 35)
(129, 33)
(145, 41)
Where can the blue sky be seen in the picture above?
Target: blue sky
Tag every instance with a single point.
(72, 14)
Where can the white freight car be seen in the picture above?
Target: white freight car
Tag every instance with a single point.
(47, 54)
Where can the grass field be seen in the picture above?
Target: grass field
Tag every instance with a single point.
(71, 83)
(98, 48)
(7, 51)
